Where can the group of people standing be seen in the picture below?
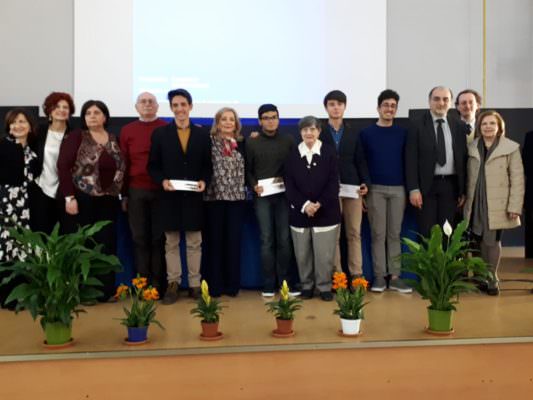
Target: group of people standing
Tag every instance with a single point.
(178, 181)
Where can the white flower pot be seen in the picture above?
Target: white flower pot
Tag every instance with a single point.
(350, 326)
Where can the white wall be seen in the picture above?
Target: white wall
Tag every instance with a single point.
(430, 42)
(36, 50)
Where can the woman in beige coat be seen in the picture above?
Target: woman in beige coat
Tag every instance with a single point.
(495, 188)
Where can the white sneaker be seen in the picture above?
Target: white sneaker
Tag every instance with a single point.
(379, 285)
(267, 294)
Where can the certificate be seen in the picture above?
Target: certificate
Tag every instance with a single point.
(350, 191)
(271, 186)
(190, 186)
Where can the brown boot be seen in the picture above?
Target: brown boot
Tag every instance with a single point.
(171, 296)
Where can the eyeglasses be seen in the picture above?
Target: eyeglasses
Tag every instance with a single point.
(269, 118)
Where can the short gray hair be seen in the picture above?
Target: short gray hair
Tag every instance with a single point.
(309, 121)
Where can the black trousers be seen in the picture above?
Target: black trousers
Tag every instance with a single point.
(93, 209)
(222, 241)
(45, 211)
(439, 204)
(144, 209)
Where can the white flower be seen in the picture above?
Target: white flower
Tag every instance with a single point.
(447, 228)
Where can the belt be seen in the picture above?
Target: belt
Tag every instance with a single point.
(444, 176)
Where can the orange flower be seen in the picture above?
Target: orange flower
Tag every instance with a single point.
(150, 294)
(122, 289)
(339, 280)
(139, 282)
(147, 294)
(360, 282)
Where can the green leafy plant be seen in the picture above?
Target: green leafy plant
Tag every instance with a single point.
(286, 306)
(444, 272)
(143, 298)
(58, 272)
(207, 308)
(351, 300)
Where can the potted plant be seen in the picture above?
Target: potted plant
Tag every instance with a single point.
(57, 271)
(443, 272)
(209, 310)
(350, 301)
(142, 311)
(284, 309)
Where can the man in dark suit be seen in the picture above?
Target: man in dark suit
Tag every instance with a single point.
(468, 104)
(181, 151)
(435, 162)
(353, 170)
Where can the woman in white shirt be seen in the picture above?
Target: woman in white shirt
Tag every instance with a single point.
(46, 207)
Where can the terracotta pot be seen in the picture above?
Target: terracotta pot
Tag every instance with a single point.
(284, 326)
(209, 329)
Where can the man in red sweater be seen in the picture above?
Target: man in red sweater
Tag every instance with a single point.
(141, 196)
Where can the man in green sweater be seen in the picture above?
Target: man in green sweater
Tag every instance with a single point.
(265, 156)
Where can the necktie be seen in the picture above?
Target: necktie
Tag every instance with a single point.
(441, 147)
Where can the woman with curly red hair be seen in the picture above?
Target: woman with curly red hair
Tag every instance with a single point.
(45, 204)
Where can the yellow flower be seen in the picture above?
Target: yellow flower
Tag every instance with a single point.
(205, 292)
(155, 294)
(284, 292)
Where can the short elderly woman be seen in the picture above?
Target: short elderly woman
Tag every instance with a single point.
(17, 173)
(91, 172)
(495, 188)
(224, 202)
(47, 206)
(312, 188)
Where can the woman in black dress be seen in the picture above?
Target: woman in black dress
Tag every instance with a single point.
(17, 168)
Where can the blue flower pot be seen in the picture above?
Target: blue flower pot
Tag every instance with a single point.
(137, 334)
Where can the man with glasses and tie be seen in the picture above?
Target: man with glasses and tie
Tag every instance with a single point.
(141, 195)
(265, 156)
(435, 160)
(467, 104)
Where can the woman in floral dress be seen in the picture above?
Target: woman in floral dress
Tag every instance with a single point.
(17, 167)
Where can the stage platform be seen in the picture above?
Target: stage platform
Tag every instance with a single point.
(488, 357)
(392, 320)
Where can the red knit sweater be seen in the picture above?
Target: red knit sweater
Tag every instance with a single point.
(135, 141)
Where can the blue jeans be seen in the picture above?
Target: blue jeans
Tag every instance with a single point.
(273, 218)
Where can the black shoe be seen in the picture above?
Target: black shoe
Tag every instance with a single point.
(195, 292)
(493, 289)
(307, 294)
(326, 296)
(482, 286)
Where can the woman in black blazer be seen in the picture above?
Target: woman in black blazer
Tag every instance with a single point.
(45, 205)
(17, 169)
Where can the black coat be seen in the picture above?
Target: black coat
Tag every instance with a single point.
(353, 169)
(421, 153)
(318, 181)
(180, 210)
(12, 163)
